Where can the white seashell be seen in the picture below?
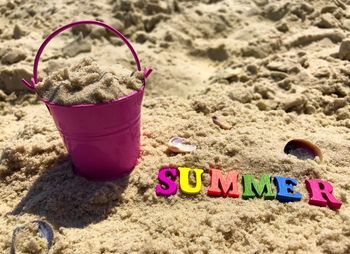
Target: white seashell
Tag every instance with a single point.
(303, 149)
(176, 145)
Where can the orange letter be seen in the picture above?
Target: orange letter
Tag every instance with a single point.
(228, 185)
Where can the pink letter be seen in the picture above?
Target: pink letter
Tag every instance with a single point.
(320, 192)
(168, 183)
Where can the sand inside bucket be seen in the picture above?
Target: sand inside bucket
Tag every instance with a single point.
(88, 83)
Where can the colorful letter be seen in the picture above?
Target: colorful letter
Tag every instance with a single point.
(184, 180)
(263, 188)
(228, 184)
(320, 192)
(169, 183)
(285, 192)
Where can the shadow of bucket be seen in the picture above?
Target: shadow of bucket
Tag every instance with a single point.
(103, 140)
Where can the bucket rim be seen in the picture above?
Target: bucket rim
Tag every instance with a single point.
(85, 105)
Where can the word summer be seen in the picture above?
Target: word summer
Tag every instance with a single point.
(320, 191)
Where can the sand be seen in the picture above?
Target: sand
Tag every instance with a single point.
(271, 70)
(88, 83)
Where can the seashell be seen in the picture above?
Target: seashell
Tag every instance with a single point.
(176, 145)
(44, 230)
(221, 123)
(303, 149)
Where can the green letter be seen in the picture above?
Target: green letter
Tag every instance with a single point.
(263, 188)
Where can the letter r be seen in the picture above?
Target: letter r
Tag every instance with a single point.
(320, 192)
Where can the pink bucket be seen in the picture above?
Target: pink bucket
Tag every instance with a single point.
(103, 140)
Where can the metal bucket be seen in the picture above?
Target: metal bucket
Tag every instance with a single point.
(103, 140)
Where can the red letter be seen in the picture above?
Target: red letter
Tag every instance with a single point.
(228, 185)
(321, 194)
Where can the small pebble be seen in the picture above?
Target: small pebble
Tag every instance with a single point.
(344, 50)
(221, 123)
(13, 56)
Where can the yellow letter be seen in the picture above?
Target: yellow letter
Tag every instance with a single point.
(184, 180)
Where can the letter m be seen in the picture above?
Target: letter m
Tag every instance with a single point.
(252, 188)
(223, 186)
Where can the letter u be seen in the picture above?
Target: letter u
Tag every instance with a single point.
(184, 180)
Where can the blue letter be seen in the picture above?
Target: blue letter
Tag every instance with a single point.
(285, 192)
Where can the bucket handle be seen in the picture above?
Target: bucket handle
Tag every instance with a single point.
(34, 80)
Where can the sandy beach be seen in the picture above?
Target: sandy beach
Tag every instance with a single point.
(272, 71)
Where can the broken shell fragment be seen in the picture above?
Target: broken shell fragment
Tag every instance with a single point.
(303, 149)
(39, 232)
(221, 123)
(177, 145)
